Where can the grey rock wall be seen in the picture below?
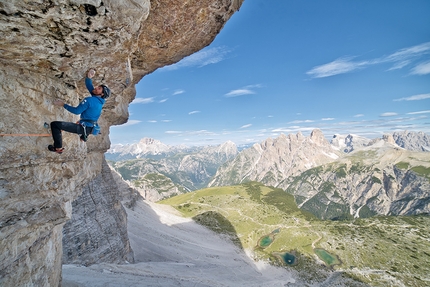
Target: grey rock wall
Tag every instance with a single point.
(97, 231)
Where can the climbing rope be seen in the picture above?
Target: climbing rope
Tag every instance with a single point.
(45, 125)
(25, 135)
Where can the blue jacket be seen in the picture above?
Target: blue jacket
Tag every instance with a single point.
(90, 108)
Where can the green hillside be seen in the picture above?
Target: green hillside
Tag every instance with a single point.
(379, 251)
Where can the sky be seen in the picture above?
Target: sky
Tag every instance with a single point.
(345, 67)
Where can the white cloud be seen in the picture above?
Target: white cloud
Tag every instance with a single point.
(400, 59)
(192, 134)
(239, 92)
(419, 112)
(421, 69)
(178, 92)
(408, 53)
(254, 86)
(163, 101)
(414, 98)
(292, 129)
(246, 126)
(339, 66)
(399, 65)
(152, 121)
(130, 123)
(201, 132)
(142, 101)
(301, 121)
(247, 90)
(388, 114)
(327, 119)
(193, 112)
(202, 58)
(358, 116)
(166, 121)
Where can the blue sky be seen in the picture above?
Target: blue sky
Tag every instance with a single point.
(360, 67)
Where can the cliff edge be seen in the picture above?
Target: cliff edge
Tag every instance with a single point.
(46, 48)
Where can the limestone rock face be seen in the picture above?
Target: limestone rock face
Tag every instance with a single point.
(97, 231)
(127, 194)
(46, 47)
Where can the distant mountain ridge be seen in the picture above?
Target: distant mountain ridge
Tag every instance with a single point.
(351, 176)
(146, 147)
(274, 160)
(346, 177)
(172, 172)
(415, 141)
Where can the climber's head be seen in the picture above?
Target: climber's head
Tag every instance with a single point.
(106, 92)
(98, 91)
(102, 91)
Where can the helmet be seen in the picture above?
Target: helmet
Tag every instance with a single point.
(106, 92)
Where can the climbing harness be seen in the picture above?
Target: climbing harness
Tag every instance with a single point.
(95, 129)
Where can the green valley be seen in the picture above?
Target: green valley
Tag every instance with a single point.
(266, 223)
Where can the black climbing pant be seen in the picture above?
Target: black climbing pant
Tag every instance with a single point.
(57, 127)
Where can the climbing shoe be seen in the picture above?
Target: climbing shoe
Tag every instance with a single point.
(54, 149)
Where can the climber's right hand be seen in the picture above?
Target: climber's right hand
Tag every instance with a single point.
(91, 73)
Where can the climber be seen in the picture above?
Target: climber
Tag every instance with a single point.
(89, 109)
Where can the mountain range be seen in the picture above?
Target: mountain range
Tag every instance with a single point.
(348, 176)
(160, 171)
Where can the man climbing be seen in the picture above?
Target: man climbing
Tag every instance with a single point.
(90, 110)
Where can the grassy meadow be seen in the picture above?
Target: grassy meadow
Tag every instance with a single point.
(379, 251)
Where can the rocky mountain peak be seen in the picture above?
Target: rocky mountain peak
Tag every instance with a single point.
(349, 142)
(417, 141)
(149, 141)
(318, 137)
(274, 160)
(228, 147)
(388, 138)
(149, 145)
